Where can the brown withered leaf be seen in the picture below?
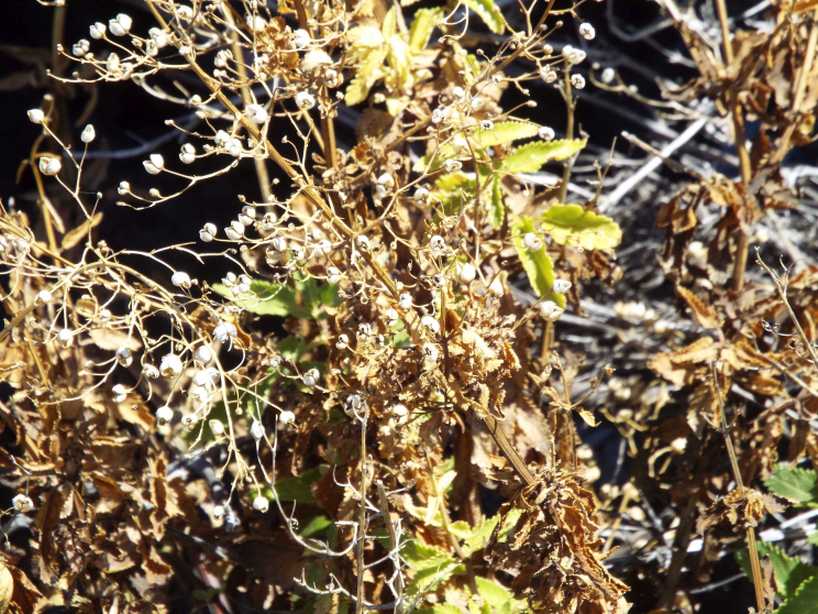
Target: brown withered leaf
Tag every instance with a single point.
(75, 235)
(680, 366)
(705, 315)
(111, 339)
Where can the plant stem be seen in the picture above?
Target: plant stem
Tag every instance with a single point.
(570, 105)
(359, 554)
(752, 547)
(743, 241)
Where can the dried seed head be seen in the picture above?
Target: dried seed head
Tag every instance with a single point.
(22, 503)
(170, 365)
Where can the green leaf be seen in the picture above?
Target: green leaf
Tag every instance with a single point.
(504, 133)
(369, 71)
(499, 599)
(804, 599)
(422, 26)
(305, 299)
(489, 13)
(529, 158)
(431, 566)
(789, 571)
(571, 224)
(297, 488)
(796, 485)
(498, 205)
(316, 525)
(537, 263)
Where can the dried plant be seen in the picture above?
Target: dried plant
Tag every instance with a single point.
(320, 429)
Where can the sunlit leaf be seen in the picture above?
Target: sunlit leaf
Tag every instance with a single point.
(795, 484)
(489, 12)
(572, 225)
(537, 263)
(369, 71)
(421, 30)
(529, 158)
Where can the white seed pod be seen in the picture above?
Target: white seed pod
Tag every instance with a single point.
(123, 188)
(285, 417)
(170, 365)
(561, 286)
(587, 31)
(249, 211)
(81, 48)
(431, 323)
(532, 242)
(187, 154)
(578, 81)
(65, 336)
(224, 332)
(257, 430)
(232, 234)
(88, 134)
(180, 279)
(154, 164)
(217, 511)
(421, 193)
(203, 354)
(150, 371)
(314, 59)
(35, 116)
(311, 377)
(22, 503)
(124, 357)
(301, 38)
(120, 25)
(216, 427)
(261, 504)
(363, 242)
(546, 133)
(256, 113)
(342, 342)
(550, 310)
(304, 100)
(400, 410)
(159, 37)
(223, 57)
(120, 392)
(257, 23)
(405, 300)
(452, 166)
(97, 30)
(206, 378)
(547, 49)
(164, 415)
(549, 75)
(333, 275)
(466, 272)
(437, 244)
(112, 62)
(323, 248)
(608, 75)
(49, 165)
(44, 296)
(233, 147)
(496, 287)
(221, 138)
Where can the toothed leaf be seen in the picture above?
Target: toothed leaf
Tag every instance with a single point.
(529, 158)
(572, 225)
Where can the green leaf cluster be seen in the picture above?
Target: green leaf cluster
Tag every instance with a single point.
(305, 298)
